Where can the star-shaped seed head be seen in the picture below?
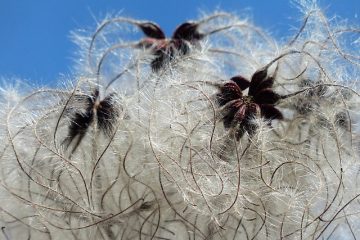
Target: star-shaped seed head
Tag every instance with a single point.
(165, 50)
(105, 112)
(239, 110)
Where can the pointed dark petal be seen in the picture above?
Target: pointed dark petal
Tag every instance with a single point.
(266, 96)
(250, 126)
(229, 112)
(187, 31)
(267, 83)
(232, 87)
(228, 119)
(220, 99)
(79, 124)
(80, 120)
(247, 125)
(152, 30)
(252, 110)
(256, 80)
(242, 82)
(160, 60)
(269, 112)
(107, 115)
(157, 64)
(167, 53)
(228, 92)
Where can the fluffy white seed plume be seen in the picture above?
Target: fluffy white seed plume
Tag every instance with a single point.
(216, 132)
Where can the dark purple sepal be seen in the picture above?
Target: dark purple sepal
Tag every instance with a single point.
(229, 113)
(152, 30)
(267, 83)
(187, 31)
(242, 82)
(266, 96)
(269, 112)
(256, 80)
(229, 91)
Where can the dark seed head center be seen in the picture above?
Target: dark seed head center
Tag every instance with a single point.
(248, 100)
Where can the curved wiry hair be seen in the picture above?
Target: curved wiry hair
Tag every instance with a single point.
(133, 153)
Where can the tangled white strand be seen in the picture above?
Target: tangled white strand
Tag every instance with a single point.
(228, 134)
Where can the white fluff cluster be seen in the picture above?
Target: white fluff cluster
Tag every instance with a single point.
(127, 152)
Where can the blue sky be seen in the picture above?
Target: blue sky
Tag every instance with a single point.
(35, 43)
